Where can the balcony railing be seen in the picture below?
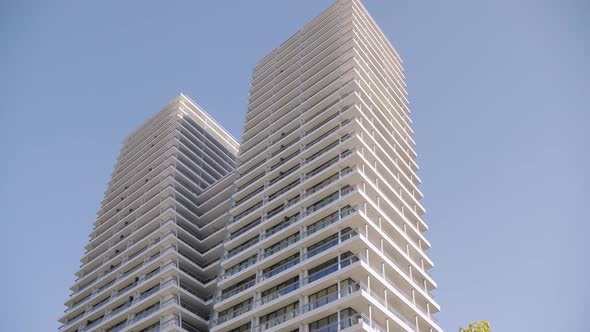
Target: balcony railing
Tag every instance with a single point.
(348, 290)
(326, 271)
(316, 171)
(332, 218)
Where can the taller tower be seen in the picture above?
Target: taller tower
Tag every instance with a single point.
(152, 258)
(326, 230)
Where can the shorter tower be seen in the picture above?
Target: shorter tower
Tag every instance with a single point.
(152, 258)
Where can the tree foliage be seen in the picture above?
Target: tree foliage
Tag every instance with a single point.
(483, 326)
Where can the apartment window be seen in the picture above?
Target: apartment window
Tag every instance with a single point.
(347, 318)
(347, 258)
(280, 290)
(323, 202)
(331, 324)
(279, 316)
(147, 311)
(281, 266)
(323, 297)
(241, 265)
(322, 245)
(322, 184)
(284, 243)
(245, 229)
(326, 324)
(242, 246)
(322, 167)
(330, 266)
(284, 174)
(323, 269)
(235, 311)
(283, 224)
(316, 226)
(244, 284)
(248, 211)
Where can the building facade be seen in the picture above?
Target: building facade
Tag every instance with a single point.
(152, 258)
(313, 224)
(326, 230)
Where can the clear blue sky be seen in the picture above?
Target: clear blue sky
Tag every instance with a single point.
(500, 97)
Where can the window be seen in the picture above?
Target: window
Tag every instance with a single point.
(326, 324)
(241, 265)
(331, 324)
(281, 244)
(322, 245)
(323, 269)
(279, 290)
(279, 316)
(281, 266)
(235, 311)
(240, 286)
(322, 297)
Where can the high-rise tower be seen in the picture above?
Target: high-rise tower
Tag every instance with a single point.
(154, 252)
(326, 230)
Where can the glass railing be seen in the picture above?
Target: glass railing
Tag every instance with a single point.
(237, 290)
(253, 167)
(283, 160)
(243, 230)
(307, 121)
(251, 181)
(308, 89)
(324, 222)
(348, 290)
(250, 195)
(312, 277)
(93, 324)
(241, 248)
(274, 195)
(124, 249)
(284, 174)
(283, 147)
(329, 199)
(144, 314)
(119, 309)
(230, 272)
(295, 261)
(278, 320)
(393, 260)
(270, 251)
(285, 290)
(195, 310)
(279, 269)
(290, 221)
(305, 63)
(121, 291)
(333, 178)
(232, 314)
(248, 211)
(330, 269)
(275, 211)
(345, 291)
(309, 159)
(322, 151)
